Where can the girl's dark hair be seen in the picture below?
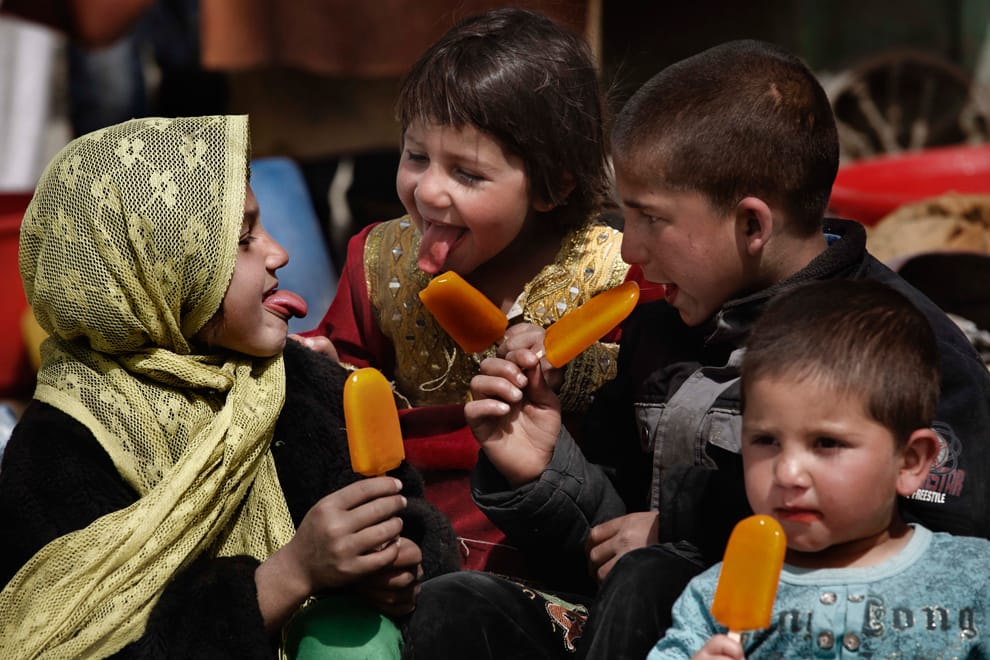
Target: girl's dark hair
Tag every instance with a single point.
(532, 85)
(745, 118)
(858, 336)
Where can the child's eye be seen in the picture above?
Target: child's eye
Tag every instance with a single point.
(415, 157)
(469, 177)
(826, 442)
(762, 440)
(246, 239)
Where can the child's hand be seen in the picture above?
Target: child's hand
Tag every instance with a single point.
(318, 344)
(522, 344)
(349, 534)
(610, 540)
(515, 419)
(394, 589)
(720, 646)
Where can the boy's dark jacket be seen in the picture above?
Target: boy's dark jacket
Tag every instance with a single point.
(56, 478)
(701, 497)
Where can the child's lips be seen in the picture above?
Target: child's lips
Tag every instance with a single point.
(796, 515)
(670, 292)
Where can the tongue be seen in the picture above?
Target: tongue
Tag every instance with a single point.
(286, 304)
(434, 246)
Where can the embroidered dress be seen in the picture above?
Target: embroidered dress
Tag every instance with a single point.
(430, 368)
(378, 320)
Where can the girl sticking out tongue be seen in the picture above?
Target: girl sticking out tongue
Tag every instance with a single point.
(503, 176)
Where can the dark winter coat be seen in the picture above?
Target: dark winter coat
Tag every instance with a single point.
(56, 478)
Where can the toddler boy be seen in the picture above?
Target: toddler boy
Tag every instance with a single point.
(839, 383)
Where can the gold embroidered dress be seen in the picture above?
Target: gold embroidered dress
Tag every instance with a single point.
(430, 368)
(377, 319)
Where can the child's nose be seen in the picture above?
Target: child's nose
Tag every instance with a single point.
(789, 471)
(431, 189)
(278, 256)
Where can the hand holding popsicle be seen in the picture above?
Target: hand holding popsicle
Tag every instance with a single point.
(747, 584)
(373, 434)
(515, 418)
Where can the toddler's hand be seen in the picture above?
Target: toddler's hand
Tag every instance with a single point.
(720, 646)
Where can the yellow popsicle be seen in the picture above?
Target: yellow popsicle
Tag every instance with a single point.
(747, 584)
(471, 319)
(373, 434)
(582, 327)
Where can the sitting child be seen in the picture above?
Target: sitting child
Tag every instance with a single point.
(840, 382)
(503, 173)
(180, 486)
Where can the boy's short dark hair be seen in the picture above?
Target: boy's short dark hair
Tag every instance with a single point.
(530, 83)
(859, 336)
(745, 118)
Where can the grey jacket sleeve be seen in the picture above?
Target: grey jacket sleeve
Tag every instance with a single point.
(557, 510)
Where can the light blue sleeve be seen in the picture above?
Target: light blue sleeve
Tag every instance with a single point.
(693, 624)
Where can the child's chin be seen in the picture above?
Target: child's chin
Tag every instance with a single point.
(802, 546)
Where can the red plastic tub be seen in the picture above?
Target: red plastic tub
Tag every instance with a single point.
(16, 376)
(869, 189)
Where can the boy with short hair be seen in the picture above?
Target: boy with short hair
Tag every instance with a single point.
(724, 164)
(840, 383)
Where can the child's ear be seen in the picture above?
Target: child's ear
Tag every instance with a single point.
(917, 457)
(754, 223)
(566, 189)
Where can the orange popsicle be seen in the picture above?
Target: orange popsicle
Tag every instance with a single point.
(747, 584)
(582, 327)
(471, 319)
(373, 434)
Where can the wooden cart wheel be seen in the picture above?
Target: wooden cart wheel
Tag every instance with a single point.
(904, 101)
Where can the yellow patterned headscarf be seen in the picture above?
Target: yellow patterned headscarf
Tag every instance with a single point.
(126, 251)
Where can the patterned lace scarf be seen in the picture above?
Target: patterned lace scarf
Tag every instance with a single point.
(126, 252)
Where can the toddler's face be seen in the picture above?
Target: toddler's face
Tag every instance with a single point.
(680, 242)
(468, 197)
(254, 314)
(815, 461)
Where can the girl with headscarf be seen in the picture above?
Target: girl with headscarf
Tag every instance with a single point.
(180, 486)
